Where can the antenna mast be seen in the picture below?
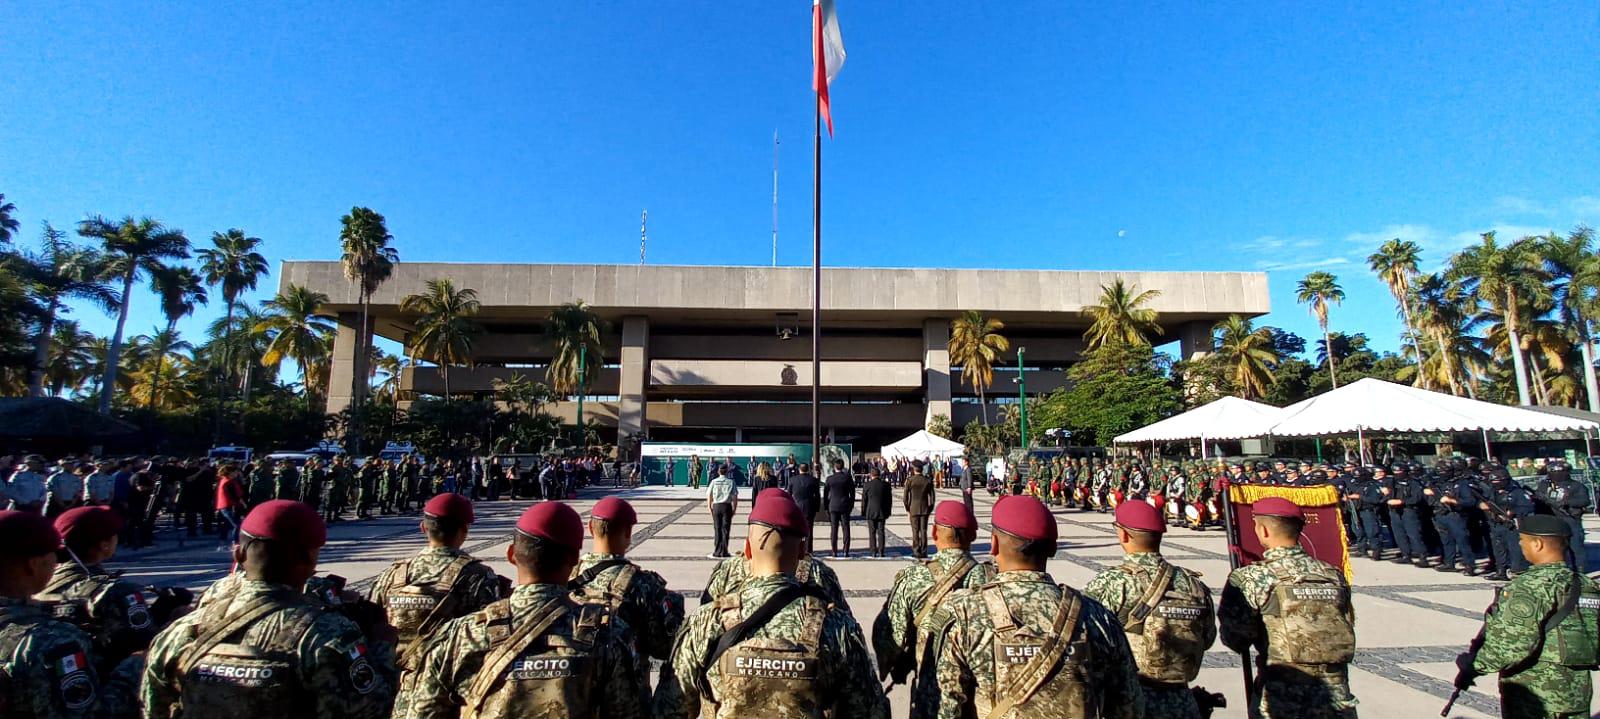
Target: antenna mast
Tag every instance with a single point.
(774, 198)
(644, 216)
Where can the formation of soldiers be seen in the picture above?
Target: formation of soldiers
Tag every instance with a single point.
(572, 634)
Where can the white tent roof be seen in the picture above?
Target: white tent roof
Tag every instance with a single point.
(1226, 418)
(923, 444)
(1377, 406)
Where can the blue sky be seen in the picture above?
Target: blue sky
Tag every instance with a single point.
(1010, 135)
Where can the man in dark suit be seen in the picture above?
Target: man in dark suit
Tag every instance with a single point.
(807, 493)
(877, 502)
(839, 493)
(918, 497)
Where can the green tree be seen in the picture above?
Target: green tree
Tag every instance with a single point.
(233, 265)
(939, 426)
(150, 384)
(368, 261)
(1121, 316)
(70, 362)
(294, 330)
(975, 345)
(1115, 389)
(1395, 263)
(8, 220)
(59, 272)
(181, 291)
(1575, 270)
(1248, 353)
(236, 348)
(1508, 279)
(574, 332)
(1319, 290)
(133, 247)
(443, 330)
(1446, 313)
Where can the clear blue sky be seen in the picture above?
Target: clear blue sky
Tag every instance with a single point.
(1012, 135)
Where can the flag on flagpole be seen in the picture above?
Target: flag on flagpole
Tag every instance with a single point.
(827, 54)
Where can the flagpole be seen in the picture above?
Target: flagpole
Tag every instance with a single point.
(816, 292)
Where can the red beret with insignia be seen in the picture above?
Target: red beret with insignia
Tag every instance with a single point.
(1025, 518)
(773, 492)
(451, 506)
(1277, 507)
(779, 512)
(25, 535)
(613, 509)
(1139, 516)
(554, 521)
(89, 524)
(955, 515)
(287, 521)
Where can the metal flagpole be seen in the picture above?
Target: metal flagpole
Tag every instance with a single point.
(774, 198)
(816, 288)
(644, 216)
(1361, 445)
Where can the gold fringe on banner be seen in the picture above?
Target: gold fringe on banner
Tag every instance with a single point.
(1319, 496)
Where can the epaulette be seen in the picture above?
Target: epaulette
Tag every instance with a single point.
(496, 620)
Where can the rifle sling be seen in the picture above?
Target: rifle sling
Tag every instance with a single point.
(588, 575)
(494, 665)
(756, 620)
(1038, 667)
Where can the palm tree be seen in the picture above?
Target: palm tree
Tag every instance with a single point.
(975, 344)
(71, 359)
(1320, 289)
(133, 247)
(1446, 312)
(443, 330)
(59, 272)
(1249, 354)
(390, 368)
(1504, 278)
(148, 382)
(233, 264)
(574, 331)
(181, 290)
(1395, 263)
(1575, 269)
(8, 223)
(368, 261)
(1121, 316)
(236, 348)
(294, 329)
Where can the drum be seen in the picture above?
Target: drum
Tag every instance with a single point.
(1172, 508)
(1079, 494)
(1156, 500)
(1194, 514)
(1212, 511)
(1116, 498)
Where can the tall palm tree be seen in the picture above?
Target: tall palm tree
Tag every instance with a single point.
(181, 290)
(1395, 263)
(8, 220)
(1445, 313)
(235, 347)
(133, 247)
(1321, 289)
(1121, 316)
(975, 344)
(148, 381)
(1249, 354)
(59, 272)
(1575, 270)
(390, 368)
(233, 265)
(71, 359)
(294, 329)
(443, 330)
(574, 331)
(1505, 278)
(368, 261)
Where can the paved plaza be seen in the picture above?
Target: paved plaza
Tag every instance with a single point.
(1410, 622)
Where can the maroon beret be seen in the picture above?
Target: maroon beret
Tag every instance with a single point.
(773, 492)
(613, 509)
(90, 524)
(554, 521)
(1140, 516)
(1025, 518)
(955, 515)
(1277, 507)
(290, 522)
(451, 506)
(25, 535)
(779, 512)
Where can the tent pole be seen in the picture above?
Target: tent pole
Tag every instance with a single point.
(1486, 456)
(1361, 444)
(1588, 450)
(1319, 450)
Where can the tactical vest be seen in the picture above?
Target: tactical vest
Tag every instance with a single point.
(221, 674)
(416, 610)
(1038, 674)
(769, 676)
(1307, 618)
(1574, 642)
(530, 672)
(612, 593)
(1168, 627)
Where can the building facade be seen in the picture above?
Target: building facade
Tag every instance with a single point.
(722, 354)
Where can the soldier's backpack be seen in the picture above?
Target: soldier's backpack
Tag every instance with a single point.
(612, 593)
(1308, 618)
(767, 676)
(224, 674)
(1168, 627)
(1037, 675)
(1572, 634)
(417, 609)
(532, 672)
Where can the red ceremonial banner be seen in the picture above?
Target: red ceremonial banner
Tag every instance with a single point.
(1324, 534)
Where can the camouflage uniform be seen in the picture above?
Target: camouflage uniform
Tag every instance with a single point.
(1098, 670)
(411, 591)
(894, 642)
(261, 485)
(586, 640)
(311, 482)
(1532, 683)
(110, 610)
(1122, 590)
(221, 589)
(337, 488)
(731, 574)
(286, 482)
(640, 597)
(46, 666)
(834, 675)
(1284, 689)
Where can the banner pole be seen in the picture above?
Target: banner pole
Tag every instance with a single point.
(1231, 519)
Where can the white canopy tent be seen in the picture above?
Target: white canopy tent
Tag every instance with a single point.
(923, 445)
(1226, 418)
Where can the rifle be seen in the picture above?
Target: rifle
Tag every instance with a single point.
(1464, 675)
(1230, 521)
(1499, 512)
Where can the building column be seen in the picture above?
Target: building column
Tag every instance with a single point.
(936, 368)
(635, 362)
(347, 373)
(1195, 341)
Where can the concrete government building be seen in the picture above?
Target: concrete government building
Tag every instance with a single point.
(701, 353)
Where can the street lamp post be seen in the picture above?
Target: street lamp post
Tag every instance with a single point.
(1022, 396)
(583, 358)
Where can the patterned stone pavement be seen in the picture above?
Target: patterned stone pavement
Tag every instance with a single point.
(1410, 622)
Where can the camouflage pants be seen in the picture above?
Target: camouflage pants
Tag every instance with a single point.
(1293, 693)
(1163, 703)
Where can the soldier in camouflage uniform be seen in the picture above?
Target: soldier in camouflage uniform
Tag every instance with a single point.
(367, 487)
(639, 596)
(1166, 612)
(1024, 647)
(1295, 611)
(903, 627)
(266, 649)
(111, 610)
(776, 648)
(1541, 635)
(337, 490)
(261, 485)
(311, 481)
(730, 574)
(539, 653)
(437, 585)
(47, 667)
(286, 481)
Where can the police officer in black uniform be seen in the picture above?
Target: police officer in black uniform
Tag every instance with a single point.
(1568, 499)
(1404, 499)
(1455, 499)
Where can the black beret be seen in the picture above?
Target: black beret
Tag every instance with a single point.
(1543, 525)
